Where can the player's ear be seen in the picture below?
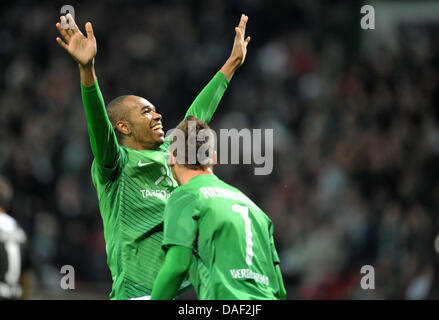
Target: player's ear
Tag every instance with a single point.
(214, 158)
(172, 159)
(122, 126)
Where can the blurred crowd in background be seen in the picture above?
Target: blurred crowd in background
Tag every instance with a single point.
(355, 179)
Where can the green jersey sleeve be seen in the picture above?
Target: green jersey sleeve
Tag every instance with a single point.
(172, 273)
(207, 101)
(180, 220)
(205, 104)
(103, 141)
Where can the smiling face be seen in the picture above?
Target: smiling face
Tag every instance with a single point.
(140, 125)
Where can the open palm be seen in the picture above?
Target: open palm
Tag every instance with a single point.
(82, 49)
(239, 49)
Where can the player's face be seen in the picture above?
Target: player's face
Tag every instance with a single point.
(145, 122)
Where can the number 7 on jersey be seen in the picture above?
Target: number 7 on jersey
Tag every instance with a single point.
(248, 231)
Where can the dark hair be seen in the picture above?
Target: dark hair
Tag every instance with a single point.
(6, 192)
(193, 127)
(116, 112)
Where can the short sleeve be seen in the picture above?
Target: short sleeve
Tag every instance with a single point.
(180, 220)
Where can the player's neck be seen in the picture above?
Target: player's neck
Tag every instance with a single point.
(187, 174)
(2, 210)
(133, 144)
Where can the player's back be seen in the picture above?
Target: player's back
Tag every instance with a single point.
(235, 249)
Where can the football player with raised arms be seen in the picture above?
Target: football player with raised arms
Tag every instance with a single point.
(129, 170)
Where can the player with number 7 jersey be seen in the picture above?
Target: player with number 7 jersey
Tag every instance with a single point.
(212, 231)
(129, 170)
(231, 237)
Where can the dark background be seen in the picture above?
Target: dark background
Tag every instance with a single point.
(355, 119)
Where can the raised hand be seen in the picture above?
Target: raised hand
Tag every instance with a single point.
(239, 50)
(82, 49)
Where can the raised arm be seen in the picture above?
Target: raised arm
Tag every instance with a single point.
(83, 50)
(208, 99)
(239, 49)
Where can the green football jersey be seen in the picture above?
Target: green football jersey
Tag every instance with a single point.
(133, 188)
(231, 238)
(132, 205)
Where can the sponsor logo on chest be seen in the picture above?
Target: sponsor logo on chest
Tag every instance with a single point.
(161, 194)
